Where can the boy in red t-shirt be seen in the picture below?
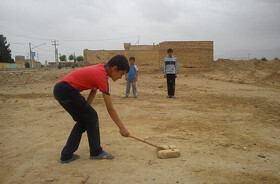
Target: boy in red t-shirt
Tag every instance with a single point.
(67, 93)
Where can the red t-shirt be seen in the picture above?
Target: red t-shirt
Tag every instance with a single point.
(92, 77)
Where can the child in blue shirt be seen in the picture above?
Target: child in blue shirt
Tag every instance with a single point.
(131, 77)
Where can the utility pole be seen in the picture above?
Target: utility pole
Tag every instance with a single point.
(137, 42)
(55, 50)
(30, 55)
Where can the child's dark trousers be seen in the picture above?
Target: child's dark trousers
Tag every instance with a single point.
(171, 84)
(86, 120)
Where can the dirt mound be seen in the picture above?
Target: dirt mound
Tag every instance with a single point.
(250, 72)
(274, 78)
(244, 65)
(32, 76)
(35, 76)
(237, 71)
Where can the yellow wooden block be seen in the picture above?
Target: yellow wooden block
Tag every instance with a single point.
(169, 153)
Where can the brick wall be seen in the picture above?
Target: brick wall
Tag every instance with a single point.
(100, 56)
(197, 54)
(143, 47)
(19, 58)
(143, 57)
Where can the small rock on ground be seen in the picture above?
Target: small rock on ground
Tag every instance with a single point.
(261, 155)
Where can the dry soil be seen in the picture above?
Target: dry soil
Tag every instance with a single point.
(223, 121)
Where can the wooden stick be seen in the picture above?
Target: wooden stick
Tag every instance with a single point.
(141, 140)
(84, 181)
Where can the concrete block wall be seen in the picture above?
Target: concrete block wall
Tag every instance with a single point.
(100, 56)
(128, 47)
(4, 66)
(197, 54)
(143, 47)
(144, 57)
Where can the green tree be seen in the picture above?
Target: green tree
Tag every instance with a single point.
(264, 59)
(63, 58)
(5, 51)
(80, 58)
(72, 57)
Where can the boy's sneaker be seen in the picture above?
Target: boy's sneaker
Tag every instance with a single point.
(169, 96)
(126, 96)
(74, 157)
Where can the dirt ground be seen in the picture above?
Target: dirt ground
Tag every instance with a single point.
(222, 120)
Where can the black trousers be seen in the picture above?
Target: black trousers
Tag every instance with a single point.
(170, 84)
(86, 120)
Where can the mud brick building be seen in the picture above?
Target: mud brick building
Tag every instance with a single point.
(190, 54)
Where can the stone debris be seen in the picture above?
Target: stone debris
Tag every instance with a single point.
(261, 155)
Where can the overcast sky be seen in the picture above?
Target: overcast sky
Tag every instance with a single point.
(237, 27)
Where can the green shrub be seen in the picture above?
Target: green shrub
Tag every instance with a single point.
(264, 59)
(59, 66)
(26, 65)
(74, 65)
(80, 58)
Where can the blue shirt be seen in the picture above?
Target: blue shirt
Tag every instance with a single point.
(132, 72)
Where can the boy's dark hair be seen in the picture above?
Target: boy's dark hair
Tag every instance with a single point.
(132, 58)
(120, 61)
(169, 50)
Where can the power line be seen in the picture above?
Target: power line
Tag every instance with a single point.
(18, 43)
(9, 30)
(48, 39)
(12, 32)
(106, 39)
(45, 50)
(19, 52)
(33, 38)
